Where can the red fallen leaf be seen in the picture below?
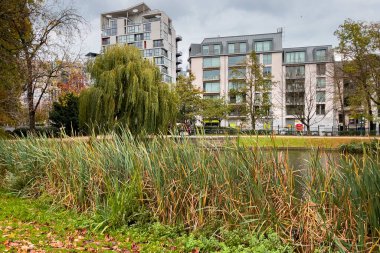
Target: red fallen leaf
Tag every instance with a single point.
(135, 248)
(109, 238)
(195, 251)
(173, 248)
(57, 244)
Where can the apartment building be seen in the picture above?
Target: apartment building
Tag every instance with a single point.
(149, 30)
(299, 78)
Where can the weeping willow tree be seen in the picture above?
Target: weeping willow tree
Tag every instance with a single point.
(127, 92)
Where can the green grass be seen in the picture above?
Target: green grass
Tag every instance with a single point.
(34, 225)
(300, 141)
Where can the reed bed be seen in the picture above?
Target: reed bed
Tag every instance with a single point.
(332, 205)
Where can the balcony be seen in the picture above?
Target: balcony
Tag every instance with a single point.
(178, 54)
(179, 69)
(178, 38)
(179, 61)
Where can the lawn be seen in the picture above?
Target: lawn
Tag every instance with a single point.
(300, 141)
(28, 225)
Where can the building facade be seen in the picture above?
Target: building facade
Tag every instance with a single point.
(299, 78)
(151, 31)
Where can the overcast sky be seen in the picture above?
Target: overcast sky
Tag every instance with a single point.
(305, 22)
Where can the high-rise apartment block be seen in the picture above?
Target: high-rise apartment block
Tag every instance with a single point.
(300, 79)
(149, 30)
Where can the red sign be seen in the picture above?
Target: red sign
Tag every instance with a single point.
(299, 127)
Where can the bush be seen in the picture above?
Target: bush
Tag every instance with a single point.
(40, 131)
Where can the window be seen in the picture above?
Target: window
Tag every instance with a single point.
(237, 99)
(236, 60)
(211, 74)
(130, 38)
(238, 73)
(138, 44)
(146, 36)
(236, 86)
(267, 59)
(294, 109)
(205, 50)
(148, 53)
(321, 96)
(147, 27)
(157, 51)
(320, 55)
(133, 29)
(257, 98)
(138, 37)
(321, 82)
(105, 41)
(294, 57)
(211, 87)
(243, 47)
(295, 72)
(231, 48)
(321, 109)
(295, 84)
(321, 69)
(211, 62)
(158, 43)
(211, 96)
(267, 71)
(261, 46)
(216, 49)
(159, 60)
(121, 39)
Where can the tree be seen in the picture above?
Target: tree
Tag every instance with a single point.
(127, 92)
(359, 46)
(211, 108)
(253, 88)
(65, 113)
(44, 33)
(10, 75)
(189, 99)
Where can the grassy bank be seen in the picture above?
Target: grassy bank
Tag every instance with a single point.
(331, 206)
(27, 225)
(301, 141)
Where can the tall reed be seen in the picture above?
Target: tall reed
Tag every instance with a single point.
(333, 204)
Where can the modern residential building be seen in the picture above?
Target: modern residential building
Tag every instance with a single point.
(149, 30)
(299, 78)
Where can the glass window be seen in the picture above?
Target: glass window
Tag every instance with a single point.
(148, 53)
(216, 49)
(238, 73)
(321, 109)
(138, 44)
(211, 87)
(205, 50)
(211, 62)
(295, 72)
(267, 59)
(138, 37)
(146, 36)
(211, 96)
(236, 60)
(321, 96)
(257, 98)
(294, 57)
(321, 69)
(267, 71)
(321, 82)
(121, 39)
(243, 47)
(261, 46)
(231, 48)
(320, 55)
(147, 27)
(159, 60)
(158, 43)
(211, 74)
(130, 38)
(157, 51)
(235, 86)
